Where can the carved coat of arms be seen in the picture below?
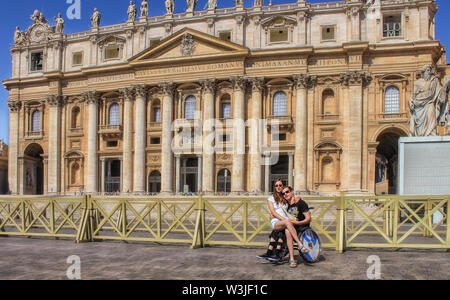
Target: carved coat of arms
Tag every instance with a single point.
(187, 45)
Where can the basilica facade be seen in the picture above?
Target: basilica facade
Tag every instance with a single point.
(220, 100)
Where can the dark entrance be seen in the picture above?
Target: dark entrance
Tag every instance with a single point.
(280, 171)
(33, 170)
(112, 176)
(189, 175)
(387, 163)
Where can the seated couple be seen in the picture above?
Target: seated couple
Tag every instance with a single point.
(282, 203)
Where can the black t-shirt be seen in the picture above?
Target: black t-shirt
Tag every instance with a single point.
(298, 210)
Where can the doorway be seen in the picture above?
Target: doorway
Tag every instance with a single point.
(33, 170)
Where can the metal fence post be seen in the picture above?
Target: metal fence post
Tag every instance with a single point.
(199, 234)
(341, 224)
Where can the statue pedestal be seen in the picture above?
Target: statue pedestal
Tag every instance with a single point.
(424, 166)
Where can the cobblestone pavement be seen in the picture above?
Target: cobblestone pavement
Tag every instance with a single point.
(22, 258)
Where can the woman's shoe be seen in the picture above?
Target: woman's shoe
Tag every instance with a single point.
(292, 264)
(304, 250)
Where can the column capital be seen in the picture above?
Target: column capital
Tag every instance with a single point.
(167, 88)
(239, 82)
(91, 97)
(208, 85)
(305, 81)
(54, 100)
(14, 106)
(257, 84)
(141, 90)
(355, 78)
(127, 93)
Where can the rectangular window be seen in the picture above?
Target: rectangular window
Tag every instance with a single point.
(155, 141)
(279, 35)
(37, 60)
(226, 110)
(77, 58)
(112, 144)
(226, 36)
(157, 115)
(392, 26)
(328, 33)
(112, 52)
(224, 138)
(279, 137)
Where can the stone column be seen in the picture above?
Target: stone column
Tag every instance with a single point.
(238, 173)
(199, 173)
(267, 186)
(92, 99)
(140, 139)
(128, 95)
(54, 144)
(102, 175)
(255, 138)
(13, 150)
(303, 82)
(208, 176)
(291, 169)
(167, 154)
(178, 173)
(353, 132)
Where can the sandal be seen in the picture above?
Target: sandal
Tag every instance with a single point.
(304, 250)
(292, 264)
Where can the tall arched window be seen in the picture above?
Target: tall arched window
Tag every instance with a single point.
(280, 104)
(36, 121)
(190, 107)
(76, 122)
(391, 100)
(114, 114)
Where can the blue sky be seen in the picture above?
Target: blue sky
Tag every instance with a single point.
(18, 12)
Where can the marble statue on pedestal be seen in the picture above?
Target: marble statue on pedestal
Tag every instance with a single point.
(59, 24)
(428, 104)
(132, 12)
(96, 18)
(144, 8)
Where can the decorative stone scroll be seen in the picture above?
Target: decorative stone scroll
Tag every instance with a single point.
(167, 88)
(14, 106)
(127, 93)
(54, 100)
(91, 97)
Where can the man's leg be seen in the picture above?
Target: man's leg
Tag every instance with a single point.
(272, 245)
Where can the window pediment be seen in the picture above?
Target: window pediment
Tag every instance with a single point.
(278, 22)
(110, 40)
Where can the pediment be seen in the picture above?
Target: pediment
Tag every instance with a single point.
(188, 44)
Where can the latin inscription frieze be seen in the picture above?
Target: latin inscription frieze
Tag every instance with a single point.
(275, 63)
(189, 69)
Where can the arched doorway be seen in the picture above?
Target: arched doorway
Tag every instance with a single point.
(154, 182)
(224, 181)
(386, 165)
(33, 170)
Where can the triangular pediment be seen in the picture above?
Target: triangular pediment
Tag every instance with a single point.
(188, 44)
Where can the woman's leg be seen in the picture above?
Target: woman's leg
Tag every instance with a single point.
(290, 244)
(286, 224)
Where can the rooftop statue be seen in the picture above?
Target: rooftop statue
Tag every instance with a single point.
(144, 8)
(96, 18)
(19, 36)
(191, 4)
(132, 12)
(428, 104)
(212, 4)
(59, 24)
(38, 17)
(170, 6)
(258, 3)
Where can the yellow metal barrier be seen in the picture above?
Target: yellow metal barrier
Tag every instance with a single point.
(342, 222)
(45, 217)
